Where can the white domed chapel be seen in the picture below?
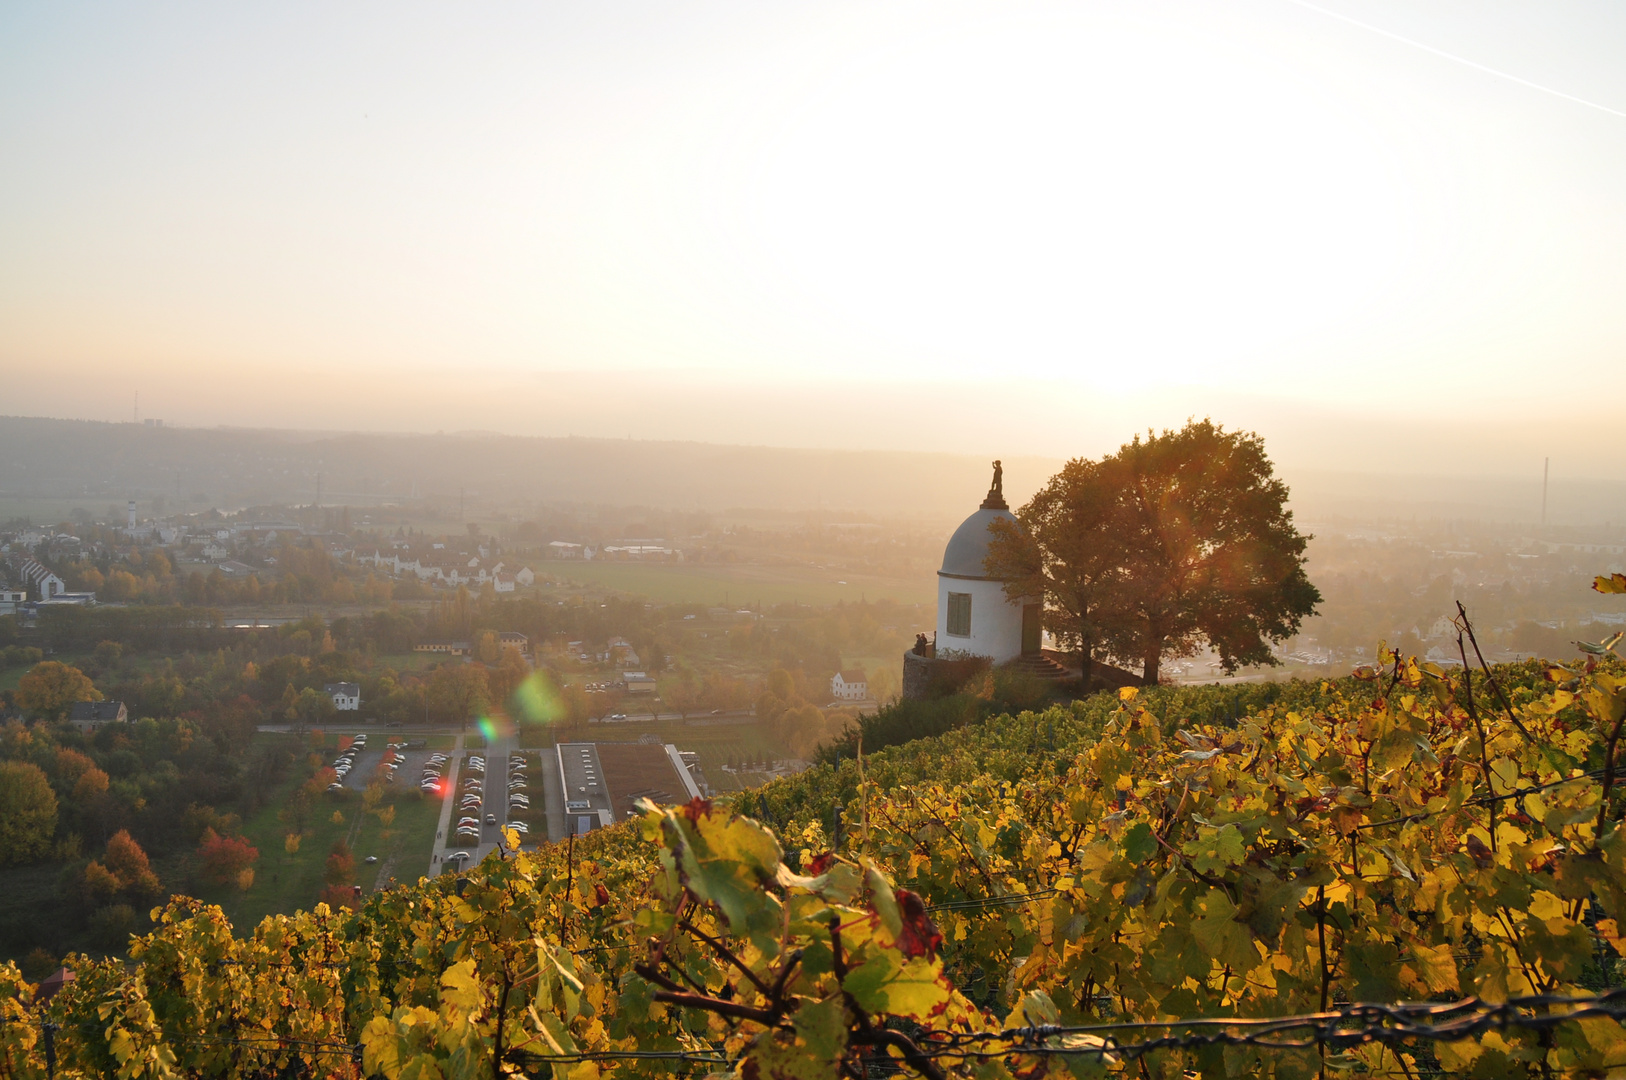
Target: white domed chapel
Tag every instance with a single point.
(974, 616)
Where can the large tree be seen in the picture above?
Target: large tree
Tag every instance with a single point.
(1178, 539)
(27, 812)
(50, 689)
(1063, 551)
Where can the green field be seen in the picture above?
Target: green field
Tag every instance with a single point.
(738, 586)
(285, 882)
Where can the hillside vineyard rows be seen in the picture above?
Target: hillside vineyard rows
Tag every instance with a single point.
(1141, 884)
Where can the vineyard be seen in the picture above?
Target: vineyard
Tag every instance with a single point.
(1408, 873)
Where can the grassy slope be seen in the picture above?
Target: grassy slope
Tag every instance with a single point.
(286, 882)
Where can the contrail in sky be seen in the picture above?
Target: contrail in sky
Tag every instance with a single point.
(1458, 59)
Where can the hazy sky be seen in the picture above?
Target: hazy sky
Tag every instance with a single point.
(1036, 227)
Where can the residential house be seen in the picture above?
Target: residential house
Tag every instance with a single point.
(503, 583)
(513, 639)
(11, 600)
(849, 685)
(559, 549)
(87, 716)
(346, 695)
(525, 576)
(623, 654)
(41, 580)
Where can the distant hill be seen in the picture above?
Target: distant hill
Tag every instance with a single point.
(98, 465)
(104, 464)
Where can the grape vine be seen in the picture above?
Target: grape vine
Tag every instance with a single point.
(1394, 874)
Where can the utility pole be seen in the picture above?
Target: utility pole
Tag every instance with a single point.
(318, 491)
(1545, 464)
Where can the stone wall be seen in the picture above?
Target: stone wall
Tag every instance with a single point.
(917, 675)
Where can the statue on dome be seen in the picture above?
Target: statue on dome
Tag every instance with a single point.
(996, 491)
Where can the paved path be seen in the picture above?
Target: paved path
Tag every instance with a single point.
(447, 804)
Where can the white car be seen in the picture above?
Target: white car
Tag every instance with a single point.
(519, 827)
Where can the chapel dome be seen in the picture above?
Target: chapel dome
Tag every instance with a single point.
(968, 547)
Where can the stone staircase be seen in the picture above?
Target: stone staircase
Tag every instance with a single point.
(1041, 666)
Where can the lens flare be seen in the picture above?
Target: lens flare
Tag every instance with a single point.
(536, 701)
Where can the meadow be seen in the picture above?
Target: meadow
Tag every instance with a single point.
(739, 585)
(287, 881)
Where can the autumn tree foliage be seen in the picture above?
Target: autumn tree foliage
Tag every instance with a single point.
(27, 812)
(222, 859)
(50, 688)
(1179, 539)
(128, 863)
(122, 873)
(341, 865)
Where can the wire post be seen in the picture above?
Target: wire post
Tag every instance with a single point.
(50, 1031)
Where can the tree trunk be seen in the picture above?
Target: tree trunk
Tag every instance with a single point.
(1149, 668)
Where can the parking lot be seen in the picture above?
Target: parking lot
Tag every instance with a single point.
(368, 764)
(494, 802)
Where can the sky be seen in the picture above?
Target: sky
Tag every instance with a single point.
(1387, 236)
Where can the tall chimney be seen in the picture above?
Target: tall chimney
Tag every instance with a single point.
(132, 513)
(1545, 462)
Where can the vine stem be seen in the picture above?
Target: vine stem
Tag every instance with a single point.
(1608, 779)
(1490, 677)
(570, 872)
